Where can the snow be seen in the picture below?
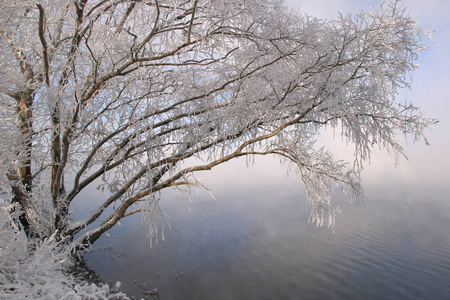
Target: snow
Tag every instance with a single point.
(39, 270)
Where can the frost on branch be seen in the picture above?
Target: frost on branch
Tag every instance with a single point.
(137, 97)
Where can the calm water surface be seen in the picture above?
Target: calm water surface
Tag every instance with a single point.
(255, 243)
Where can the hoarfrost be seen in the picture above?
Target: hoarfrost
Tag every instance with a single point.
(31, 269)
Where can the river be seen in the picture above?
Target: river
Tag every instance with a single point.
(253, 241)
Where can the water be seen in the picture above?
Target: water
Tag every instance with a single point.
(254, 242)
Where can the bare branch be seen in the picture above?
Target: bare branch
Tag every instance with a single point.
(44, 43)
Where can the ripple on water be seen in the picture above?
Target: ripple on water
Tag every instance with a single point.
(264, 249)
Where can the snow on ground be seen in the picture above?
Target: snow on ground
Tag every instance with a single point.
(42, 273)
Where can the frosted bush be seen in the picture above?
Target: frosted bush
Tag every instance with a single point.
(39, 269)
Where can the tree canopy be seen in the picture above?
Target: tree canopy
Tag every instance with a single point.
(138, 96)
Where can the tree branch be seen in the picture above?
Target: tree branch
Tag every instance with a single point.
(44, 43)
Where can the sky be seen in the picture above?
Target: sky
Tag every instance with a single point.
(427, 168)
(426, 165)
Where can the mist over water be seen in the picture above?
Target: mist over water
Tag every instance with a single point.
(253, 242)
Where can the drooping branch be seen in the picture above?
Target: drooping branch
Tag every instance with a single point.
(125, 92)
(91, 236)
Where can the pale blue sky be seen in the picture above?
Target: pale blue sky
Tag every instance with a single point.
(428, 165)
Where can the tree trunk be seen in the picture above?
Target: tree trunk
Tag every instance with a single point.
(22, 179)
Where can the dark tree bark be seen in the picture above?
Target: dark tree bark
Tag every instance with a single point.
(21, 179)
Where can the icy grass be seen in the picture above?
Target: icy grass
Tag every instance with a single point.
(39, 269)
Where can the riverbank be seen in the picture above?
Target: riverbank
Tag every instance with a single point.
(41, 269)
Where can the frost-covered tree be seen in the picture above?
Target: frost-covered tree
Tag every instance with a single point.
(138, 96)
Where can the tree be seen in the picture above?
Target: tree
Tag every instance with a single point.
(138, 96)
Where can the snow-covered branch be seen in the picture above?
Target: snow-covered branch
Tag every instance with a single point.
(140, 96)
